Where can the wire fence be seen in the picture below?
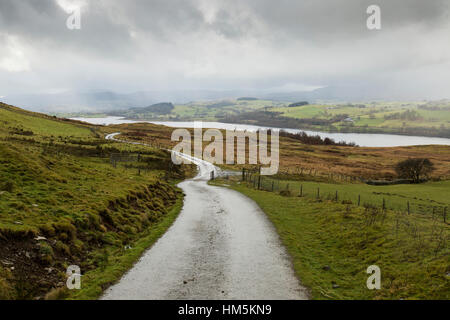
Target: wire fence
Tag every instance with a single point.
(144, 164)
(428, 209)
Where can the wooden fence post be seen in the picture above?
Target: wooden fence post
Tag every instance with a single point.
(272, 185)
(259, 181)
(359, 200)
(301, 190)
(336, 196)
(318, 192)
(243, 174)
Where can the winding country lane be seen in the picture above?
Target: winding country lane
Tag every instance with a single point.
(221, 246)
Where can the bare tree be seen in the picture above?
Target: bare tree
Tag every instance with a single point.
(414, 168)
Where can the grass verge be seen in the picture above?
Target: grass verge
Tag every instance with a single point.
(120, 261)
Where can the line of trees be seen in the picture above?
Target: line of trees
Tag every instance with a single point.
(410, 115)
(303, 137)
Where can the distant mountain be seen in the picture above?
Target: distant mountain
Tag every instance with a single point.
(360, 92)
(246, 99)
(158, 108)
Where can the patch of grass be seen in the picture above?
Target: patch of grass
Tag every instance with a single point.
(6, 291)
(301, 112)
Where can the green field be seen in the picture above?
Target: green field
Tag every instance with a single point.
(332, 244)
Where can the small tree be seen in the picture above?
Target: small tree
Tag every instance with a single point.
(414, 168)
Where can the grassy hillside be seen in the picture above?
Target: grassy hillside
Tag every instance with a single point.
(16, 121)
(62, 202)
(332, 244)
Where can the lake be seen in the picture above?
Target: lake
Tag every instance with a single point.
(361, 139)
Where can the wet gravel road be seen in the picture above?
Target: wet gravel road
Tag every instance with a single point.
(221, 246)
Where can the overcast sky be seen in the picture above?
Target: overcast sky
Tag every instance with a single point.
(134, 45)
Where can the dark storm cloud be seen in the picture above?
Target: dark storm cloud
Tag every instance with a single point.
(233, 43)
(106, 25)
